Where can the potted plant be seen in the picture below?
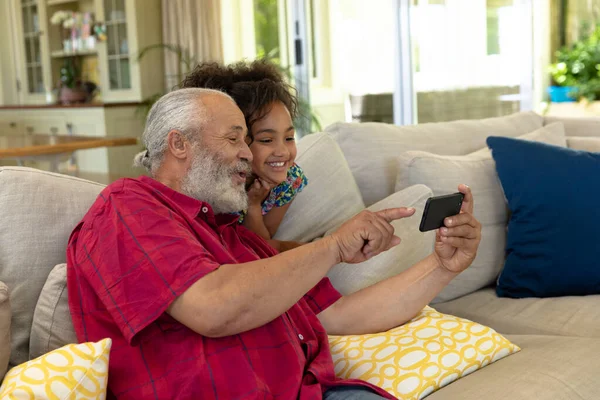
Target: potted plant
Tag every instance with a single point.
(72, 90)
(576, 73)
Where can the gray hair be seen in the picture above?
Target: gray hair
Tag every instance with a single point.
(179, 110)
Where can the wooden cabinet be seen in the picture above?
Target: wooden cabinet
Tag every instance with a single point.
(38, 53)
(101, 164)
(31, 50)
(11, 126)
(131, 25)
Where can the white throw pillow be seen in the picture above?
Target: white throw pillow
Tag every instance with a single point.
(331, 196)
(584, 143)
(443, 174)
(52, 326)
(348, 278)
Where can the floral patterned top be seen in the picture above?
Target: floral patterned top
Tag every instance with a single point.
(283, 193)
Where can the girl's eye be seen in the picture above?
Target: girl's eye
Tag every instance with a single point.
(265, 140)
(290, 139)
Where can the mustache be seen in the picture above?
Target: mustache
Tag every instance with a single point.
(241, 166)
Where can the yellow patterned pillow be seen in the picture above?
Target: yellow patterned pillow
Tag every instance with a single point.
(421, 356)
(75, 371)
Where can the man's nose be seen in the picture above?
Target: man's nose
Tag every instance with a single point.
(245, 153)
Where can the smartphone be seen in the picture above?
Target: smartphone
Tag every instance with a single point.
(439, 208)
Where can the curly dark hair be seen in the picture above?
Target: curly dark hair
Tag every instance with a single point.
(253, 85)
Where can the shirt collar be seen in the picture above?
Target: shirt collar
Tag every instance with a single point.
(190, 206)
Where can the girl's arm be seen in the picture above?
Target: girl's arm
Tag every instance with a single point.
(255, 222)
(254, 219)
(273, 218)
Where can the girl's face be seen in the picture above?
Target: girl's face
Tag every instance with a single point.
(273, 145)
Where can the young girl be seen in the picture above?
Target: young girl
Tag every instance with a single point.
(269, 108)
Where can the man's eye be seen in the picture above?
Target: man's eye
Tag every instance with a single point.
(233, 139)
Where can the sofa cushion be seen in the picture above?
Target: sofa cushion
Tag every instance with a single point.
(443, 174)
(576, 126)
(5, 315)
(371, 148)
(546, 368)
(331, 196)
(564, 316)
(415, 359)
(38, 211)
(552, 193)
(75, 371)
(584, 143)
(553, 134)
(348, 278)
(52, 325)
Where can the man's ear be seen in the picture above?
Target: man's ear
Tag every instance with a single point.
(178, 145)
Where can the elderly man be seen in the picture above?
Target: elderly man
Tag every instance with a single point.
(198, 306)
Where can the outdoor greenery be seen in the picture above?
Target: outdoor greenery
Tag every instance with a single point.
(578, 66)
(266, 30)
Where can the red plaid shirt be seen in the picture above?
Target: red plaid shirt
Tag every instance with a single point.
(139, 247)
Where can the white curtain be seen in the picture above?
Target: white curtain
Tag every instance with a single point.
(195, 26)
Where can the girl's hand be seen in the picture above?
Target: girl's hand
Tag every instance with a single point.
(258, 191)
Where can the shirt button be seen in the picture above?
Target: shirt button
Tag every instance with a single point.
(204, 210)
(300, 337)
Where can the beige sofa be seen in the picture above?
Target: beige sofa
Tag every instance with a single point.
(350, 166)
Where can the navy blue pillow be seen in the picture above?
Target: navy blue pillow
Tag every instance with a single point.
(553, 243)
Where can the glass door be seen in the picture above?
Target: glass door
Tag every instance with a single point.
(34, 82)
(470, 59)
(119, 63)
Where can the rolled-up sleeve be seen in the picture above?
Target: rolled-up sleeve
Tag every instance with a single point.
(139, 261)
(320, 297)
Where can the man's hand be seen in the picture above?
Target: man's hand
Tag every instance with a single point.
(258, 191)
(368, 234)
(456, 244)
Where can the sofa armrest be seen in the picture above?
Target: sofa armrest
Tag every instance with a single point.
(577, 126)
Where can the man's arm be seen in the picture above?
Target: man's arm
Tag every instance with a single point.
(283, 245)
(239, 297)
(389, 303)
(396, 300)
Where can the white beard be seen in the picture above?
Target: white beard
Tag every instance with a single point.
(209, 179)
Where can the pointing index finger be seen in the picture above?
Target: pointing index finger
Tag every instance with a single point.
(393, 214)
